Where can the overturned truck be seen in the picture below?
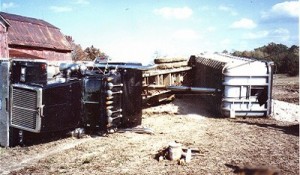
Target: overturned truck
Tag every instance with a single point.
(97, 97)
(104, 96)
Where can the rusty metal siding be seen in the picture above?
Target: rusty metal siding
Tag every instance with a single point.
(3, 42)
(40, 54)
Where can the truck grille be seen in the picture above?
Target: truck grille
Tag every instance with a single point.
(24, 108)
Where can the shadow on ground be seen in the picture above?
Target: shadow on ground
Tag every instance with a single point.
(41, 138)
(287, 129)
(252, 171)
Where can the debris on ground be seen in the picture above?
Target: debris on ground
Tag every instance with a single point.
(176, 152)
(138, 129)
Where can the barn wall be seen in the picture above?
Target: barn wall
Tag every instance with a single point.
(3, 41)
(49, 55)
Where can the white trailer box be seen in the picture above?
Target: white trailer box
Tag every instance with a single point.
(245, 84)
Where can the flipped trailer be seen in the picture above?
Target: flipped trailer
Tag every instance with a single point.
(232, 86)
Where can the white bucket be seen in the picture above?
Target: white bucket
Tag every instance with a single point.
(175, 151)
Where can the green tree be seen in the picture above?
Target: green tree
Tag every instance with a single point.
(292, 61)
(277, 53)
(237, 53)
(77, 53)
(286, 59)
(246, 54)
(92, 53)
(258, 54)
(225, 51)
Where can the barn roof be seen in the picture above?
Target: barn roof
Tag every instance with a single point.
(31, 32)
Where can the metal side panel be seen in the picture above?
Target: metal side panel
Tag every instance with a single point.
(4, 96)
(270, 66)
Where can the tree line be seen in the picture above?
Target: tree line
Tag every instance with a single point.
(87, 54)
(286, 59)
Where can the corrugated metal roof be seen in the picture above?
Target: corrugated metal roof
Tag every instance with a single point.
(25, 31)
(224, 58)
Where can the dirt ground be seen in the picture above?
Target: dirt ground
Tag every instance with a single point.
(223, 144)
(286, 88)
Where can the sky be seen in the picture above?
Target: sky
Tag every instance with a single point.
(141, 30)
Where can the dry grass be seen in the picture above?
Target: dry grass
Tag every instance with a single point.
(286, 88)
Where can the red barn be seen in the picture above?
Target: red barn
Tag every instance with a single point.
(25, 37)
